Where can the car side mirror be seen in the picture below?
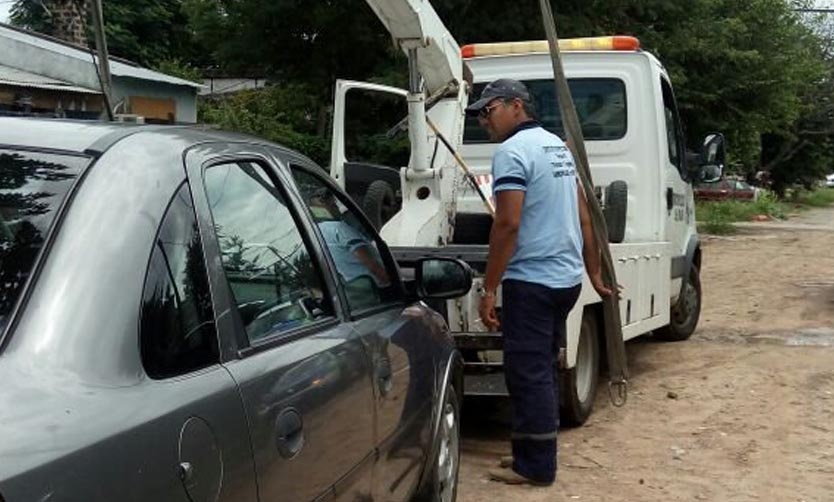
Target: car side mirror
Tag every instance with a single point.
(713, 158)
(442, 278)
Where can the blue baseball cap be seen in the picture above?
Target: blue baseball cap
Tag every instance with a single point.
(504, 88)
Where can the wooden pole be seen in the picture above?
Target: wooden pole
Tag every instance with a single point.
(617, 365)
(103, 58)
(466, 171)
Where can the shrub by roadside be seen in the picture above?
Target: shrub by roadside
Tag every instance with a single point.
(718, 217)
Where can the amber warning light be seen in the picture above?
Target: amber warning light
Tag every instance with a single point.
(615, 43)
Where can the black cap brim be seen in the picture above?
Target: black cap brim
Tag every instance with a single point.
(476, 107)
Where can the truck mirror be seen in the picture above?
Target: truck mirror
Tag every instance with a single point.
(713, 157)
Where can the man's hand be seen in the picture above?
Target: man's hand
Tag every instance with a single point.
(487, 311)
(599, 285)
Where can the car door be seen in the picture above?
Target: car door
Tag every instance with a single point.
(395, 332)
(303, 374)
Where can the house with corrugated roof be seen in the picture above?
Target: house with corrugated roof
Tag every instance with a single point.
(43, 75)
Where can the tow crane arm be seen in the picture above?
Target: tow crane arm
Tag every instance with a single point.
(437, 74)
(435, 68)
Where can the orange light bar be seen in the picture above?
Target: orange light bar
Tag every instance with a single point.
(615, 43)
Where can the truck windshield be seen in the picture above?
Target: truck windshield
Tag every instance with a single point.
(32, 187)
(600, 103)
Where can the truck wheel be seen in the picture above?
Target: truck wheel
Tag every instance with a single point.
(442, 484)
(686, 312)
(578, 387)
(379, 203)
(616, 209)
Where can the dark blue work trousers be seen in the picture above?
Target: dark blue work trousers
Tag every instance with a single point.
(534, 324)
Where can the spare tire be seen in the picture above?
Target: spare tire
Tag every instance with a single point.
(615, 211)
(380, 203)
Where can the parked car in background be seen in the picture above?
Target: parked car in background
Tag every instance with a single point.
(829, 181)
(726, 189)
(193, 315)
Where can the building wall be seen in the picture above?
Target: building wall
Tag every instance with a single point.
(17, 54)
(69, 104)
(185, 98)
(225, 85)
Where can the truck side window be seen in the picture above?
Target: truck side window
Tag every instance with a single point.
(600, 103)
(365, 270)
(673, 128)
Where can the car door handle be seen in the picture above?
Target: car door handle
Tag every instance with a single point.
(289, 433)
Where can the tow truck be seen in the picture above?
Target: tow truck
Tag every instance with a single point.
(642, 172)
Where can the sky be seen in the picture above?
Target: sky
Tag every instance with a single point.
(5, 7)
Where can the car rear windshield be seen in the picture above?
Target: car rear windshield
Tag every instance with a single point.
(600, 103)
(32, 187)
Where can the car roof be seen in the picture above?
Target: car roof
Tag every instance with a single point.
(95, 137)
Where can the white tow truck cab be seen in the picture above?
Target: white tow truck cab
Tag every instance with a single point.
(638, 162)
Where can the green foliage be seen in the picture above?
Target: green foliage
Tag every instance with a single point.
(822, 197)
(145, 31)
(180, 68)
(718, 217)
(283, 114)
(753, 70)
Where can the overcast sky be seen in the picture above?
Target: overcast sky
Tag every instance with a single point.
(5, 7)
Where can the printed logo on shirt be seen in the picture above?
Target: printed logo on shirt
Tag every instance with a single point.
(562, 162)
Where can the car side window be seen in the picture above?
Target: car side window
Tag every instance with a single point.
(177, 333)
(276, 284)
(367, 279)
(673, 129)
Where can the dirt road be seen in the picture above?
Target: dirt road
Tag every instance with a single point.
(744, 411)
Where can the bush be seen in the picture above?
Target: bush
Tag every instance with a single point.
(718, 217)
(283, 114)
(822, 197)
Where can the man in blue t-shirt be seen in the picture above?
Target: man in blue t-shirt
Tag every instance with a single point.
(540, 245)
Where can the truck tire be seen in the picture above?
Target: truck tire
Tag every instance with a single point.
(616, 210)
(578, 387)
(686, 312)
(379, 203)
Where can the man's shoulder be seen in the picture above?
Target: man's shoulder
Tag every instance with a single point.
(534, 137)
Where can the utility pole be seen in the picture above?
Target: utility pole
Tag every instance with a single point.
(103, 57)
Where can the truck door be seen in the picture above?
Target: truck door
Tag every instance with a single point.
(678, 203)
(366, 155)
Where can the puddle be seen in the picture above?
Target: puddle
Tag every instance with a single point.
(813, 337)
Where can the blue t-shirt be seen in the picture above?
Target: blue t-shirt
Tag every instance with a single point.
(344, 241)
(549, 246)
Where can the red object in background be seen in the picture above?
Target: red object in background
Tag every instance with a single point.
(726, 190)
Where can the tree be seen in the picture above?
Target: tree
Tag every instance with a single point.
(148, 32)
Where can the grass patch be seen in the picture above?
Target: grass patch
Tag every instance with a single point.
(718, 217)
(822, 197)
